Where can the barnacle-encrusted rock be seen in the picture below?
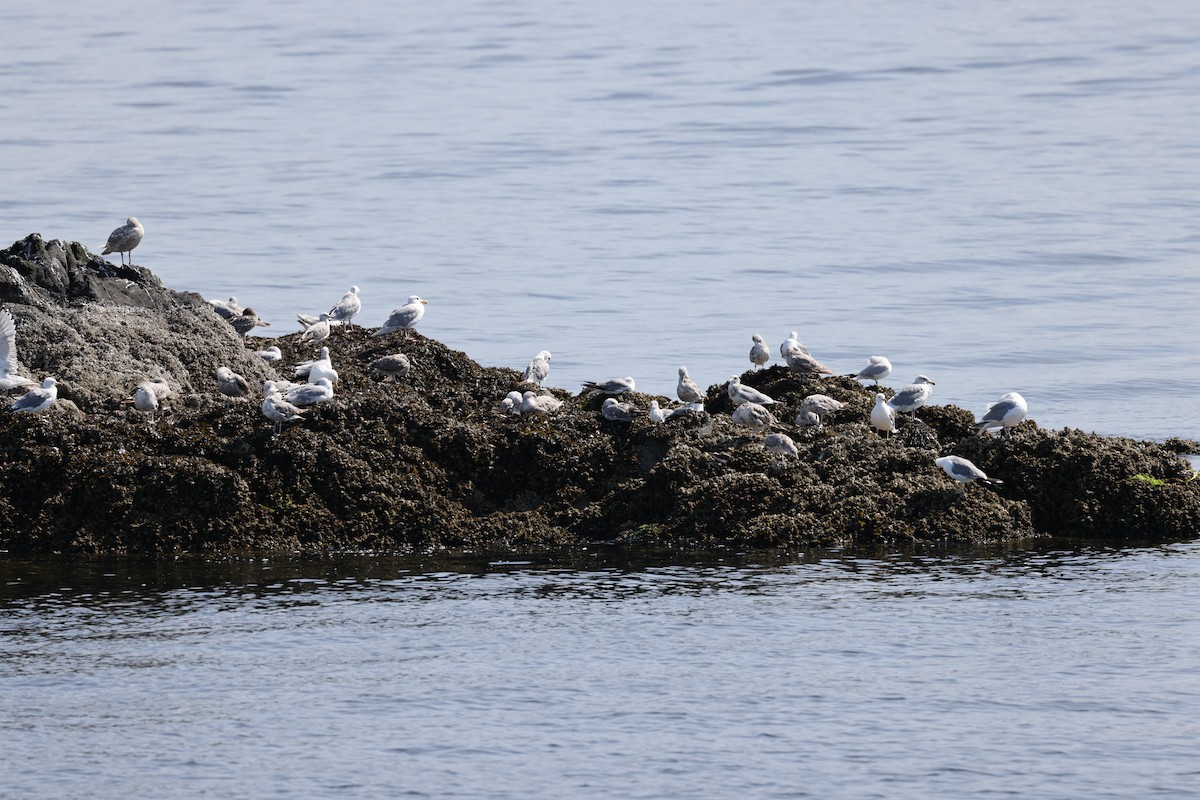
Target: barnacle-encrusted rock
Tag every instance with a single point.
(430, 461)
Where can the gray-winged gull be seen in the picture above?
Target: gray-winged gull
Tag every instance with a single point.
(754, 416)
(345, 309)
(740, 393)
(913, 396)
(1004, 414)
(610, 386)
(37, 399)
(404, 317)
(124, 239)
(391, 367)
(537, 369)
(877, 368)
(759, 354)
(963, 470)
(687, 390)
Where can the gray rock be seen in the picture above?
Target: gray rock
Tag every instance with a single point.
(101, 329)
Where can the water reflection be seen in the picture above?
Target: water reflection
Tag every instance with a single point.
(116, 586)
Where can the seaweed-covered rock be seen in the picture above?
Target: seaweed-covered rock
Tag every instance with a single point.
(431, 461)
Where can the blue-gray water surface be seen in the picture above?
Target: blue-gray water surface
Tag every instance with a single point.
(1042, 673)
(1001, 196)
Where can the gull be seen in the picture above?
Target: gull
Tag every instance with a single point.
(247, 321)
(883, 417)
(611, 386)
(144, 399)
(619, 412)
(230, 384)
(790, 343)
(317, 368)
(746, 394)
(227, 309)
(308, 395)
(1005, 413)
(539, 403)
(346, 308)
(913, 396)
(686, 389)
(877, 369)
(279, 387)
(391, 367)
(512, 403)
(655, 413)
(278, 410)
(124, 239)
(963, 470)
(781, 443)
(9, 379)
(37, 399)
(819, 406)
(800, 360)
(316, 332)
(161, 389)
(538, 369)
(404, 317)
(754, 416)
(270, 355)
(759, 354)
(807, 418)
(304, 368)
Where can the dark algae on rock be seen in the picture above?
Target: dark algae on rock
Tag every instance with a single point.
(430, 461)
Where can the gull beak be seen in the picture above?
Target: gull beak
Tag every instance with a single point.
(424, 302)
(262, 322)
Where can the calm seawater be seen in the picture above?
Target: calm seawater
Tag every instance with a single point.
(999, 195)
(1055, 673)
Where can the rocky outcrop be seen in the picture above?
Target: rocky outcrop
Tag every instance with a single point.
(430, 461)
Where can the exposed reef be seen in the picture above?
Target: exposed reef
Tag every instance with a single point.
(430, 461)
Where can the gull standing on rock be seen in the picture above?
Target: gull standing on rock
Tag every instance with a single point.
(317, 332)
(346, 308)
(404, 317)
(124, 239)
(781, 444)
(276, 409)
(877, 369)
(539, 404)
(686, 389)
(1004, 414)
(883, 417)
(740, 394)
(800, 360)
(230, 384)
(392, 367)
(538, 369)
(611, 386)
(759, 354)
(655, 413)
(791, 343)
(37, 399)
(144, 399)
(963, 470)
(9, 379)
(913, 396)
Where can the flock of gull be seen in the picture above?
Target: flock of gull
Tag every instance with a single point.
(287, 401)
